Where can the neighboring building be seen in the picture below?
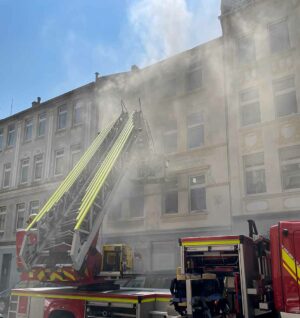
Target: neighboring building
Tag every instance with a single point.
(38, 146)
(224, 117)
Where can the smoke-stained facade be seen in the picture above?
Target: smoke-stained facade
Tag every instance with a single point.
(224, 118)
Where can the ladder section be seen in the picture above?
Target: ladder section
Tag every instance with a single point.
(95, 203)
(51, 227)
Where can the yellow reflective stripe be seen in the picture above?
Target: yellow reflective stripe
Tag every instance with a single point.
(205, 243)
(69, 275)
(102, 173)
(161, 299)
(72, 176)
(55, 276)
(288, 260)
(289, 271)
(41, 275)
(89, 298)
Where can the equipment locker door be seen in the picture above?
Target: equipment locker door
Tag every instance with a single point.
(297, 260)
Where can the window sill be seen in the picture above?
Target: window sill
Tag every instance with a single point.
(60, 131)
(78, 125)
(39, 137)
(26, 141)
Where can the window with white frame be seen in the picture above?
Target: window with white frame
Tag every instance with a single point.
(254, 171)
(2, 220)
(62, 117)
(11, 132)
(170, 196)
(1, 139)
(170, 136)
(197, 193)
(285, 97)
(24, 171)
(75, 154)
(290, 167)
(6, 175)
(41, 126)
(195, 130)
(20, 215)
(249, 106)
(78, 112)
(38, 167)
(28, 129)
(34, 207)
(246, 49)
(59, 162)
(279, 37)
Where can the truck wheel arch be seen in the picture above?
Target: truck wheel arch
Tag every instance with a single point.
(62, 308)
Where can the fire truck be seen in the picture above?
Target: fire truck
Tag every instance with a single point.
(240, 276)
(66, 273)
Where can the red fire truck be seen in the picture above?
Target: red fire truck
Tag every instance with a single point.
(240, 276)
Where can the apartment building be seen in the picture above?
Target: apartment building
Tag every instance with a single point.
(224, 120)
(38, 146)
(262, 71)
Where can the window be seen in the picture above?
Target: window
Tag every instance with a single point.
(246, 49)
(34, 207)
(62, 117)
(24, 170)
(197, 193)
(195, 130)
(170, 197)
(2, 220)
(6, 175)
(194, 79)
(28, 129)
(170, 136)
(285, 96)
(136, 201)
(169, 88)
(41, 127)
(59, 162)
(20, 216)
(249, 106)
(75, 154)
(38, 167)
(255, 173)
(290, 167)
(279, 37)
(1, 138)
(78, 113)
(11, 135)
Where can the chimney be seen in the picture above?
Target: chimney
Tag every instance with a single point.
(96, 76)
(37, 102)
(134, 68)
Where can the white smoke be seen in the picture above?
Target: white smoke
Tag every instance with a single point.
(164, 28)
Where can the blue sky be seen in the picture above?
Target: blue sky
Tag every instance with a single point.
(49, 47)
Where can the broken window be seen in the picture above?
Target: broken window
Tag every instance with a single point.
(246, 49)
(249, 106)
(279, 37)
(255, 173)
(34, 207)
(78, 111)
(285, 96)
(195, 130)
(75, 154)
(38, 167)
(170, 196)
(197, 193)
(194, 78)
(290, 167)
(136, 201)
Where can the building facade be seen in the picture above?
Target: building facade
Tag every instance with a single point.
(224, 118)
